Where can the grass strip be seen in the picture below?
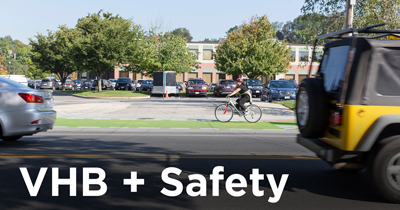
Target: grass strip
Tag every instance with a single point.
(289, 104)
(170, 124)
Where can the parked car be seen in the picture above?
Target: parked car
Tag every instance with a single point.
(78, 83)
(104, 85)
(59, 83)
(255, 85)
(123, 84)
(179, 86)
(212, 87)
(147, 85)
(24, 111)
(49, 84)
(113, 82)
(279, 90)
(294, 83)
(139, 84)
(86, 85)
(133, 84)
(224, 87)
(70, 85)
(196, 86)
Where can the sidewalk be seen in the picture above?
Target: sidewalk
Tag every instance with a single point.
(167, 113)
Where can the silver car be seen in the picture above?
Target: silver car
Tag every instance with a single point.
(24, 111)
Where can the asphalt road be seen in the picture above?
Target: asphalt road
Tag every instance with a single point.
(312, 184)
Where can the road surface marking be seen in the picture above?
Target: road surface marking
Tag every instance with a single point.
(117, 156)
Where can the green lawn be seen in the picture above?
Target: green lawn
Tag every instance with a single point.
(107, 93)
(289, 104)
(169, 124)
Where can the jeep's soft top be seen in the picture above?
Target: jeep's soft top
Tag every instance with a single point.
(372, 59)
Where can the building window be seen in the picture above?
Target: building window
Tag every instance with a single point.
(292, 55)
(289, 76)
(207, 54)
(303, 56)
(195, 51)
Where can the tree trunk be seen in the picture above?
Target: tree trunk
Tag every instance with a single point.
(99, 76)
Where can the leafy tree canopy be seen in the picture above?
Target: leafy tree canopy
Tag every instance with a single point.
(105, 41)
(366, 12)
(165, 53)
(182, 32)
(251, 50)
(18, 58)
(54, 53)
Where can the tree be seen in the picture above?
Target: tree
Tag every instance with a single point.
(232, 29)
(304, 28)
(19, 56)
(210, 40)
(182, 32)
(3, 70)
(34, 71)
(366, 12)
(106, 41)
(54, 52)
(252, 51)
(164, 53)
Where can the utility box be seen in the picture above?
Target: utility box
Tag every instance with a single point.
(164, 81)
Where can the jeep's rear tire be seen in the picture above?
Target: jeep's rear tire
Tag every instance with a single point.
(311, 108)
(383, 167)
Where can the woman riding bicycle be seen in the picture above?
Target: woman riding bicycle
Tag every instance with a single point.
(245, 95)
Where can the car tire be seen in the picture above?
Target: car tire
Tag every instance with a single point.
(384, 157)
(312, 108)
(10, 138)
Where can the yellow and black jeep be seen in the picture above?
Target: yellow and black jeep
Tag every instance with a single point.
(349, 115)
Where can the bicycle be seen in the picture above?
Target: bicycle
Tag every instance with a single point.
(224, 112)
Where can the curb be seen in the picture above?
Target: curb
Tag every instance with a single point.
(145, 130)
(68, 94)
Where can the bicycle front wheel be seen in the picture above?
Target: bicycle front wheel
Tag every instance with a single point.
(224, 113)
(254, 115)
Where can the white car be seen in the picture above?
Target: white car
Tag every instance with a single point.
(24, 111)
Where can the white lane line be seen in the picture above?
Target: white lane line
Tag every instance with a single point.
(147, 128)
(236, 129)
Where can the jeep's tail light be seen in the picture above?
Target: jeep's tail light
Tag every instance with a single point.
(336, 119)
(31, 98)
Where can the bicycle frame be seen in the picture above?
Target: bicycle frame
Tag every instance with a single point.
(229, 102)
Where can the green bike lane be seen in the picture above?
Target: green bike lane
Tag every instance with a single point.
(187, 124)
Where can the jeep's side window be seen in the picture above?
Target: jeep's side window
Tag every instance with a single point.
(333, 67)
(388, 77)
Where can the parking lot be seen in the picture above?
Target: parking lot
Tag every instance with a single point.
(157, 108)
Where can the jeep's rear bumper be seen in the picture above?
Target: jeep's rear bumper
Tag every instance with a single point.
(321, 149)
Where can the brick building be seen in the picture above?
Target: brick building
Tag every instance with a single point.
(298, 70)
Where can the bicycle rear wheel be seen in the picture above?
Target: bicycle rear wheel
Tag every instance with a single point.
(224, 113)
(254, 115)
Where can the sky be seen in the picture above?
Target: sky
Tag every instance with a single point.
(23, 19)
